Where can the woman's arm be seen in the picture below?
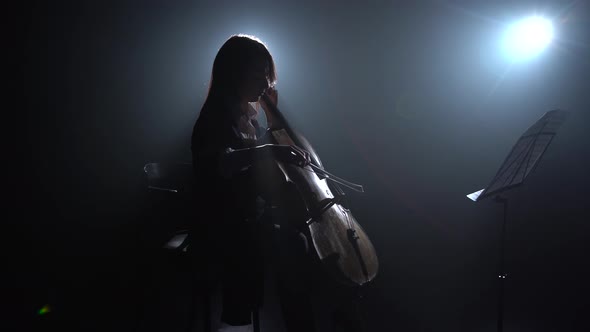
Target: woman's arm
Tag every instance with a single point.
(234, 161)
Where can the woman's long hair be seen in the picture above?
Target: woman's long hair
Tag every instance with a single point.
(231, 64)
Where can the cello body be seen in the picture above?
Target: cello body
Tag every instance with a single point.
(314, 207)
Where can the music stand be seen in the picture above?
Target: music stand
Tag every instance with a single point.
(520, 162)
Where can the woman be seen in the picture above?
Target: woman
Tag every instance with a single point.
(227, 150)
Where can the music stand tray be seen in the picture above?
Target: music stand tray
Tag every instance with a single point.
(524, 156)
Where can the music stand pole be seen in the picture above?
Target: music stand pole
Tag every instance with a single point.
(502, 271)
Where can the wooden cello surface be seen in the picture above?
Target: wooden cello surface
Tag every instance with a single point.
(340, 242)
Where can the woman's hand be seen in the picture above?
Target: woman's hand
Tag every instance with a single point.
(271, 96)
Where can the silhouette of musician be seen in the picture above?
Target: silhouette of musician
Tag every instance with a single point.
(239, 182)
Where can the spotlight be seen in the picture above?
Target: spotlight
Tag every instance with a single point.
(527, 38)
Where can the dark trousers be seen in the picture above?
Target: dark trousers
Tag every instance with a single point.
(246, 249)
(291, 261)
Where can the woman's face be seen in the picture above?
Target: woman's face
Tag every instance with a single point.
(255, 83)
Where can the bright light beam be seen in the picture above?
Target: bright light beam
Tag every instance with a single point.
(527, 38)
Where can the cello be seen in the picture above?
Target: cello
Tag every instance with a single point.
(316, 207)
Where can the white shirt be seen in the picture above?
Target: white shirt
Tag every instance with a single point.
(244, 123)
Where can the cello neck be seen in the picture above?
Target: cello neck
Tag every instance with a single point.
(281, 121)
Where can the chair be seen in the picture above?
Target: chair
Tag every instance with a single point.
(171, 185)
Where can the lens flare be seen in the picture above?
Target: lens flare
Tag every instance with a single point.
(527, 38)
(44, 310)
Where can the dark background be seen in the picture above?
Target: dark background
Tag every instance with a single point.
(411, 99)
